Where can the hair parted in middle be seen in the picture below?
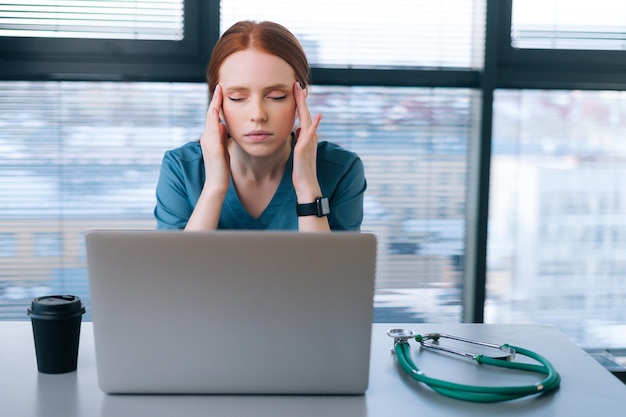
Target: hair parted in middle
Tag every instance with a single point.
(269, 37)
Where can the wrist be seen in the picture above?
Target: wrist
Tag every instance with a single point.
(308, 194)
(213, 193)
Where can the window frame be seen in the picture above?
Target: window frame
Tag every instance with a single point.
(37, 59)
(555, 68)
(70, 59)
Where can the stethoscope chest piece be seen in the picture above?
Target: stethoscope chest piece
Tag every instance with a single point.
(400, 336)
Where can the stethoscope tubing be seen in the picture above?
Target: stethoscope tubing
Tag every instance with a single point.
(485, 394)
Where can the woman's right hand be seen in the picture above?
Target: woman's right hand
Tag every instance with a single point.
(214, 143)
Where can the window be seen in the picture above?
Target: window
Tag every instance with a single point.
(120, 19)
(567, 24)
(78, 156)
(81, 155)
(490, 135)
(419, 277)
(99, 146)
(116, 40)
(366, 33)
(558, 156)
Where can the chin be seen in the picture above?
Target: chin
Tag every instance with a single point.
(263, 149)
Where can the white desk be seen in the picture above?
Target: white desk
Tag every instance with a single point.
(587, 389)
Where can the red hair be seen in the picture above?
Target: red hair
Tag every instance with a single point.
(268, 37)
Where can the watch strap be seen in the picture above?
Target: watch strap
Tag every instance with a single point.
(317, 208)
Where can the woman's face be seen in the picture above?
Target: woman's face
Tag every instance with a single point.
(258, 103)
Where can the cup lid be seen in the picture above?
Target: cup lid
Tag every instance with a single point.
(56, 307)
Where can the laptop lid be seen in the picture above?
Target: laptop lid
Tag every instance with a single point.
(232, 312)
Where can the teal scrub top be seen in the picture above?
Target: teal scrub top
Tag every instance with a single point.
(340, 174)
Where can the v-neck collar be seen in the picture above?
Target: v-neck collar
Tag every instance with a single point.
(282, 192)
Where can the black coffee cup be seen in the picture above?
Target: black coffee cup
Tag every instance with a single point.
(56, 321)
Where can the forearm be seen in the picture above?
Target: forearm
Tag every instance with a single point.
(206, 214)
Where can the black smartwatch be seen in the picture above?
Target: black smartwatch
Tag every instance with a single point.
(319, 208)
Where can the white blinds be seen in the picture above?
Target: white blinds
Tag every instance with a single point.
(569, 24)
(113, 19)
(76, 156)
(363, 33)
(81, 155)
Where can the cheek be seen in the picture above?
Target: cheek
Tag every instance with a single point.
(290, 112)
(226, 110)
(227, 120)
(290, 116)
(228, 115)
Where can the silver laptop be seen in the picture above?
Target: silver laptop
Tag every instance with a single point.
(231, 312)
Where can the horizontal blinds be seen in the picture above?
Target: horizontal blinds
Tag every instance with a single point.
(365, 33)
(414, 144)
(569, 24)
(74, 157)
(114, 19)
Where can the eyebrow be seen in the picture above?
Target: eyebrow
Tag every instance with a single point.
(272, 87)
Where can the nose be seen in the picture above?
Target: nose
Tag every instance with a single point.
(258, 113)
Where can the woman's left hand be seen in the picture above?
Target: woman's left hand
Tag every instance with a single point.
(305, 151)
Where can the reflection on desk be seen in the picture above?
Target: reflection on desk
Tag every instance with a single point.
(586, 388)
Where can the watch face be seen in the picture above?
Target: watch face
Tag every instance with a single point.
(324, 206)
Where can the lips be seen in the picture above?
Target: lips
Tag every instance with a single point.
(258, 135)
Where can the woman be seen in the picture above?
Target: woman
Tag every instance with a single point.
(251, 169)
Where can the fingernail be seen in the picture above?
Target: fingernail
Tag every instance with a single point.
(306, 92)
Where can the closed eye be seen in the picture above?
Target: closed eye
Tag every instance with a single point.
(278, 98)
(236, 98)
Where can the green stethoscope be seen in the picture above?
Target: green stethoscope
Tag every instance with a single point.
(481, 394)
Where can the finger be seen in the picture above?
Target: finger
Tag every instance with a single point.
(316, 122)
(309, 136)
(303, 111)
(215, 106)
(212, 121)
